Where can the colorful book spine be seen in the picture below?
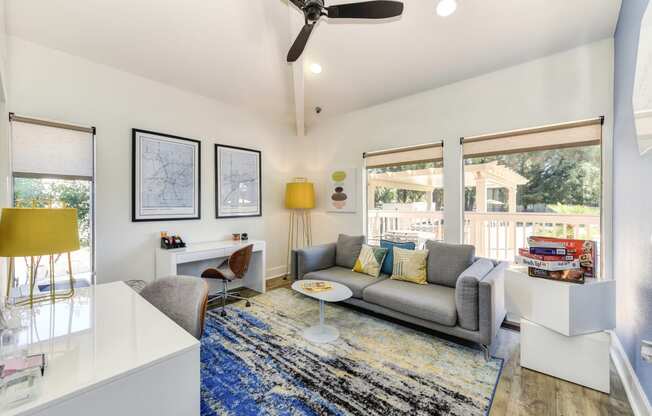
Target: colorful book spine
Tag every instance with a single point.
(548, 251)
(537, 242)
(573, 276)
(548, 265)
(524, 252)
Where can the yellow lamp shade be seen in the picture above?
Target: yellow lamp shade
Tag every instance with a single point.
(300, 195)
(38, 231)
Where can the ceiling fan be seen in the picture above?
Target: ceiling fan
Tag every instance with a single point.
(313, 10)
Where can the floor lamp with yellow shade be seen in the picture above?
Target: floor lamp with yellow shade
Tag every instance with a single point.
(38, 233)
(299, 199)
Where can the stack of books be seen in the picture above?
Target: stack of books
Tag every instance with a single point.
(559, 259)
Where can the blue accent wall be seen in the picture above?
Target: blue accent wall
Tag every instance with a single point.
(632, 202)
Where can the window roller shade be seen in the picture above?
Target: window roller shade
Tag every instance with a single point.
(405, 155)
(47, 150)
(582, 133)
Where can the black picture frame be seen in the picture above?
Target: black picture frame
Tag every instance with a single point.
(136, 209)
(218, 213)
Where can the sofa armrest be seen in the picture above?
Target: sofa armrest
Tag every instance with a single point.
(492, 303)
(467, 293)
(311, 259)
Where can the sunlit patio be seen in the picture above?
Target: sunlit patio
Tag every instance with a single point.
(497, 232)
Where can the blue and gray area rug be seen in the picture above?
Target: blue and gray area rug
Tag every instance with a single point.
(255, 362)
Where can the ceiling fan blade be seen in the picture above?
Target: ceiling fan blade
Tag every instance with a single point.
(300, 43)
(366, 10)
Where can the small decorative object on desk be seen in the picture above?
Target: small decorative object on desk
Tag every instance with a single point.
(244, 237)
(317, 286)
(20, 379)
(235, 236)
(171, 240)
(559, 259)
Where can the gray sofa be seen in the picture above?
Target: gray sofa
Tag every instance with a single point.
(464, 296)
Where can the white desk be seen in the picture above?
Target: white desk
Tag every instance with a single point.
(195, 258)
(109, 352)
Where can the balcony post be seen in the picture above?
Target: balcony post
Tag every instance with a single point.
(511, 229)
(371, 195)
(480, 207)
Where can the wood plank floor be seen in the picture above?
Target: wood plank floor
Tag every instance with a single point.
(525, 392)
(522, 392)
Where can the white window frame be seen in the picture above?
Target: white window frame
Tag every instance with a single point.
(93, 132)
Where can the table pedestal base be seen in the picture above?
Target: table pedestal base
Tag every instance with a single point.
(322, 333)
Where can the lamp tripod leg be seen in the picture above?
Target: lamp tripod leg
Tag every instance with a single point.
(10, 279)
(290, 246)
(70, 278)
(32, 280)
(52, 277)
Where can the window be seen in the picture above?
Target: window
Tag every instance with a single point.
(544, 181)
(53, 165)
(405, 194)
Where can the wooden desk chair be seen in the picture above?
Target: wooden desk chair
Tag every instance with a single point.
(235, 267)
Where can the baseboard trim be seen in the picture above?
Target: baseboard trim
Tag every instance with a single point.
(274, 272)
(635, 394)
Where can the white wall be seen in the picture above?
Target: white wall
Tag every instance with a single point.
(53, 85)
(632, 203)
(572, 85)
(4, 128)
(568, 86)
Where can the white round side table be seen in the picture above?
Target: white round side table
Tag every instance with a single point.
(323, 333)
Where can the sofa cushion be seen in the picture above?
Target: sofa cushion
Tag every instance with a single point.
(357, 282)
(447, 261)
(467, 296)
(388, 264)
(348, 250)
(430, 302)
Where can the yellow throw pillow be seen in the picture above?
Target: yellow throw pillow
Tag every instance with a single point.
(410, 265)
(370, 260)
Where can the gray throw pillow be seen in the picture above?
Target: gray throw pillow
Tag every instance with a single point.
(447, 261)
(348, 250)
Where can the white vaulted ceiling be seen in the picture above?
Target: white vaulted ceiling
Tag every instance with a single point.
(234, 50)
(231, 50)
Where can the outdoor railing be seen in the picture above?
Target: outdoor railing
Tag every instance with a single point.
(496, 235)
(405, 225)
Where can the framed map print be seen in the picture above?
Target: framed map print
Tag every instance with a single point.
(166, 181)
(238, 185)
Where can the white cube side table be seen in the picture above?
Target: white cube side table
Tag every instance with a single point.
(581, 359)
(567, 308)
(563, 326)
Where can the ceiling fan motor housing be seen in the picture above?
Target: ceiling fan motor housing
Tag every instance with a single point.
(313, 9)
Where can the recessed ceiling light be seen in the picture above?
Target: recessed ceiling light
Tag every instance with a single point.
(446, 7)
(315, 68)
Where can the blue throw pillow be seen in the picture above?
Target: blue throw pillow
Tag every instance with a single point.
(388, 264)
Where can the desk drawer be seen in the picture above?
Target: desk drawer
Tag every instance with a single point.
(202, 255)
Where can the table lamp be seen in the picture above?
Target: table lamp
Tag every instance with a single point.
(34, 233)
(299, 199)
